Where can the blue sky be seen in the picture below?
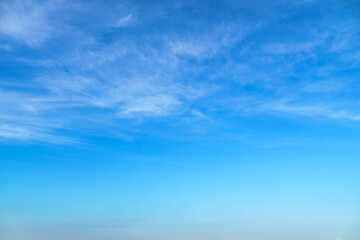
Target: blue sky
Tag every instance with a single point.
(179, 120)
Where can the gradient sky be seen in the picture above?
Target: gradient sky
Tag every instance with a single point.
(180, 120)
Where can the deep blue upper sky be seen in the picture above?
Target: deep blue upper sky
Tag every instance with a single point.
(179, 120)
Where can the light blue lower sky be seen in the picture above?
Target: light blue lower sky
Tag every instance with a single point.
(155, 189)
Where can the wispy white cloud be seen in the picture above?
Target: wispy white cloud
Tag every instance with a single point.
(113, 72)
(125, 20)
(313, 39)
(15, 132)
(30, 133)
(158, 105)
(308, 110)
(25, 21)
(206, 44)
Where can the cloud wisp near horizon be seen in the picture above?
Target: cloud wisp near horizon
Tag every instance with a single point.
(169, 60)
